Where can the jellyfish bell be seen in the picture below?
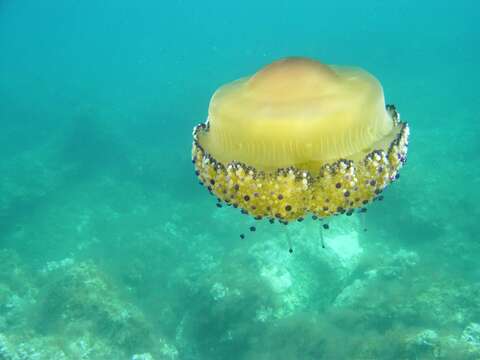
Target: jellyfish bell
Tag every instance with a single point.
(299, 137)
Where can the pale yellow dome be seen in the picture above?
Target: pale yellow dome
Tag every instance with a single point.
(297, 112)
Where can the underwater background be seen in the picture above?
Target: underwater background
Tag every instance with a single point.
(109, 248)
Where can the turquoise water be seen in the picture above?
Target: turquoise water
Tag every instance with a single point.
(109, 249)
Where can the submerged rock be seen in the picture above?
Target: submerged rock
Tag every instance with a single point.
(79, 298)
(424, 345)
(471, 335)
(146, 356)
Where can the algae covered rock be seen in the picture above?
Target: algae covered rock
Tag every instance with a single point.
(79, 298)
(471, 336)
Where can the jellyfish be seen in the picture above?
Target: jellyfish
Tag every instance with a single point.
(300, 137)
